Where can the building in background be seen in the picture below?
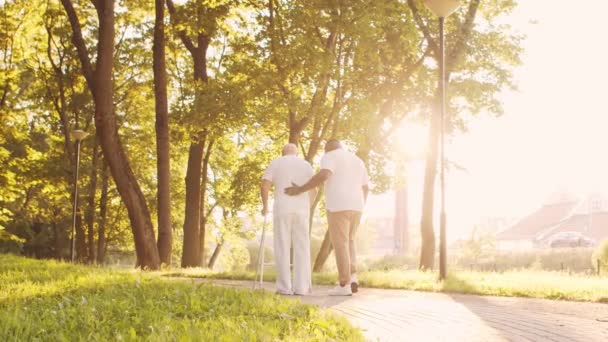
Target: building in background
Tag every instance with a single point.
(562, 221)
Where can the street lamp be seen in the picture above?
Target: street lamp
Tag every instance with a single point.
(442, 9)
(78, 135)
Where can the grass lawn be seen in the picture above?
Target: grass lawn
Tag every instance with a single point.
(522, 283)
(54, 301)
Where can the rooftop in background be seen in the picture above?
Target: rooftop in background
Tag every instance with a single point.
(563, 212)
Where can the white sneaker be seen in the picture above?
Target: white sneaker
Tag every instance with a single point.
(284, 293)
(354, 283)
(341, 291)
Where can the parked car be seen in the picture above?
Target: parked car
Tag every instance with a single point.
(570, 239)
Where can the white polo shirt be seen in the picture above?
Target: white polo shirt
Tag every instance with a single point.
(282, 172)
(343, 189)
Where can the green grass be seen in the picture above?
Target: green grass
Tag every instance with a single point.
(519, 283)
(54, 301)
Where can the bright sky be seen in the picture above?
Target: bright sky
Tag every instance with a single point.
(554, 132)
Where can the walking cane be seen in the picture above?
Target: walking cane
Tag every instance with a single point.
(260, 261)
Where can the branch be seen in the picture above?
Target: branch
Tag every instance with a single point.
(208, 152)
(181, 33)
(123, 84)
(465, 33)
(211, 209)
(222, 54)
(319, 35)
(120, 41)
(303, 148)
(50, 43)
(96, 4)
(78, 41)
(423, 27)
(4, 94)
(416, 65)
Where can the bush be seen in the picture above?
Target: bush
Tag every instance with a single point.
(570, 259)
(10, 243)
(601, 254)
(253, 247)
(392, 262)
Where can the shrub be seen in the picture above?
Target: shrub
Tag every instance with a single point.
(394, 261)
(10, 243)
(571, 259)
(601, 254)
(254, 247)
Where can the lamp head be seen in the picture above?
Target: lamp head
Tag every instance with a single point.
(442, 8)
(78, 134)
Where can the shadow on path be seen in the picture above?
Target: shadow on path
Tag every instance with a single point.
(523, 319)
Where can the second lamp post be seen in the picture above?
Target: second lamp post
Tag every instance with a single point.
(442, 9)
(78, 135)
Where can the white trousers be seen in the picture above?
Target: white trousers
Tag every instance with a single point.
(288, 229)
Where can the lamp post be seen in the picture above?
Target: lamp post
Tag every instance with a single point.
(78, 135)
(442, 9)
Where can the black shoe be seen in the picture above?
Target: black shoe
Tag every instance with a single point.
(354, 287)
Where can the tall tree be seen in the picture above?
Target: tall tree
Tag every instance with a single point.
(196, 23)
(91, 205)
(165, 232)
(103, 215)
(99, 80)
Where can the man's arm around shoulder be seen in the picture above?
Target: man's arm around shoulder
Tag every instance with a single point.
(314, 182)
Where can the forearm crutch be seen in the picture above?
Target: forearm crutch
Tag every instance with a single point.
(260, 260)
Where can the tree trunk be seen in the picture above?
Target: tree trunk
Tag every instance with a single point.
(81, 242)
(90, 216)
(191, 256)
(100, 84)
(103, 215)
(400, 232)
(192, 221)
(427, 233)
(203, 211)
(313, 208)
(427, 251)
(214, 256)
(59, 241)
(165, 233)
(323, 254)
(294, 134)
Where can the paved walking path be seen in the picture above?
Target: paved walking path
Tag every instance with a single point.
(400, 315)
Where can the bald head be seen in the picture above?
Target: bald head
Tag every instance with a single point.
(332, 144)
(290, 150)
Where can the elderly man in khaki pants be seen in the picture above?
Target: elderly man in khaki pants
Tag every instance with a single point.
(346, 187)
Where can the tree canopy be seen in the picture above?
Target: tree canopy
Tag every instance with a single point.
(242, 79)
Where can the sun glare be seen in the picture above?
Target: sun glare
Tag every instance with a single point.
(411, 139)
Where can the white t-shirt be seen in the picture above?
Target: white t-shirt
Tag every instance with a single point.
(343, 189)
(282, 172)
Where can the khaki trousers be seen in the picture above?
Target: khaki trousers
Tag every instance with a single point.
(342, 228)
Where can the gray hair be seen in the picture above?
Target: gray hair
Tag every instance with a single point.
(290, 149)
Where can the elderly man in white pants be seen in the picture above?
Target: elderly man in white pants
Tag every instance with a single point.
(290, 220)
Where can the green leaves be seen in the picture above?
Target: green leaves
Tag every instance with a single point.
(301, 69)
